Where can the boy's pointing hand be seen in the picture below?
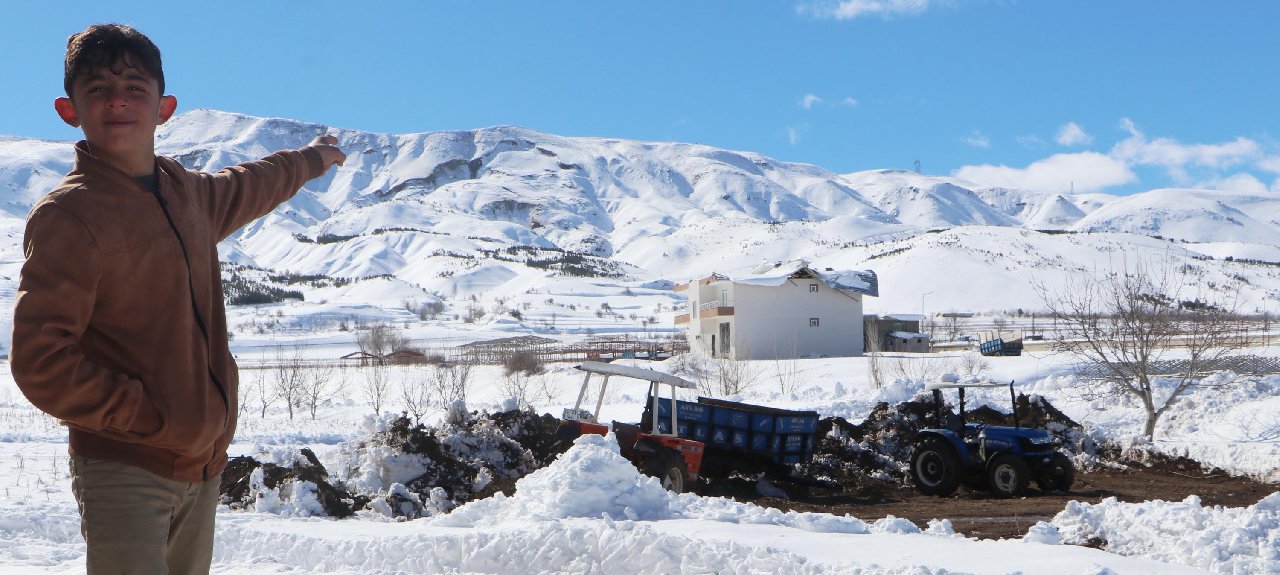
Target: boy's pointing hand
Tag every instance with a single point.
(330, 154)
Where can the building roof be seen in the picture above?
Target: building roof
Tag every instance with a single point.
(862, 282)
(908, 335)
(510, 342)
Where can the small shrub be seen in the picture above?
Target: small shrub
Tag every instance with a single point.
(523, 362)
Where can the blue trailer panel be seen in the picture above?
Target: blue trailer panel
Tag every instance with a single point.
(785, 436)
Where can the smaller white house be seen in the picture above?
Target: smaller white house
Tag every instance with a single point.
(778, 311)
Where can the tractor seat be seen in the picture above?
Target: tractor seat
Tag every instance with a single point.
(953, 422)
(626, 434)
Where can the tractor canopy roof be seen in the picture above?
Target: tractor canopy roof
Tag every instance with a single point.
(636, 373)
(953, 381)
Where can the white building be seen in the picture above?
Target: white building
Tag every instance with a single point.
(781, 310)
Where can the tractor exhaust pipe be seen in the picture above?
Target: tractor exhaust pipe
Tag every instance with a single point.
(1013, 402)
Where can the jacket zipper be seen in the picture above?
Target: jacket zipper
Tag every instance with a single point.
(195, 309)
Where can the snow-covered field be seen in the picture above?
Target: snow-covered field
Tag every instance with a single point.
(591, 512)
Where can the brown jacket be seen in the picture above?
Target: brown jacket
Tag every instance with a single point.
(119, 333)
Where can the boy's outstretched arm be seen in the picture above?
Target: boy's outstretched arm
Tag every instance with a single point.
(330, 154)
(237, 195)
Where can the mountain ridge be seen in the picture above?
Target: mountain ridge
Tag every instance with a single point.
(464, 212)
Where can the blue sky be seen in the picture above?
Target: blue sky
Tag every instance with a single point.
(1055, 95)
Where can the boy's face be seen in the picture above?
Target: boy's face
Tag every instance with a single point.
(118, 108)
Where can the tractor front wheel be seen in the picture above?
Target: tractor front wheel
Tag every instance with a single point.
(1007, 475)
(669, 467)
(1057, 474)
(935, 467)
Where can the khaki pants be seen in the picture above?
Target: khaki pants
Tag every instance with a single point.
(136, 522)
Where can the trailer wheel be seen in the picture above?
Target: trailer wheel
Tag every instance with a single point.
(935, 467)
(1007, 475)
(1057, 474)
(669, 467)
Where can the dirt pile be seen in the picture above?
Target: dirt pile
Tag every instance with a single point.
(238, 491)
(452, 464)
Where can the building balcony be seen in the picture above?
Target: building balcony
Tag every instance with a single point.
(682, 318)
(715, 309)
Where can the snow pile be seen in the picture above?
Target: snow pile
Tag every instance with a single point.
(614, 547)
(590, 480)
(593, 480)
(1218, 539)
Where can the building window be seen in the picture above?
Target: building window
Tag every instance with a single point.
(813, 322)
(813, 288)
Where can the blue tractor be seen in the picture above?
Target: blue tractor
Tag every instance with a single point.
(1001, 459)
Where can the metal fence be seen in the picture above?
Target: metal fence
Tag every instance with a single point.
(1241, 364)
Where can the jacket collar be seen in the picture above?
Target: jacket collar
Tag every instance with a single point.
(87, 163)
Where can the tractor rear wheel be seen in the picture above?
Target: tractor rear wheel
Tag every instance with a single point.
(1057, 474)
(669, 467)
(935, 467)
(1007, 475)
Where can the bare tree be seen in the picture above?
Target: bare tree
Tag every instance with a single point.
(733, 376)
(548, 388)
(972, 363)
(377, 382)
(875, 366)
(290, 371)
(416, 392)
(1122, 324)
(380, 339)
(262, 393)
(786, 366)
(694, 366)
(519, 370)
(318, 388)
(999, 322)
(517, 385)
(450, 382)
(914, 367)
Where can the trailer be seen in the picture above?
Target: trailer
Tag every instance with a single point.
(1000, 347)
(706, 439)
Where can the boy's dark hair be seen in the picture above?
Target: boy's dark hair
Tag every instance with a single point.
(106, 45)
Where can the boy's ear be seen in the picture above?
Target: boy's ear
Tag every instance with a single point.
(67, 111)
(168, 104)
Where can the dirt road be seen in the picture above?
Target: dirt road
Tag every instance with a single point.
(977, 514)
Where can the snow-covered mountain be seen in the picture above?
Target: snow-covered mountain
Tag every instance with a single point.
(1190, 215)
(928, 201)
(468, 212)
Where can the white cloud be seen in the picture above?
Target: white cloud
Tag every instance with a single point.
(1242, 183)
(809, 101)
(850, 9)
(1083, 171)
(978, 140)
(1030, 141)
(1270, 164)
(849, 101)
(1071, 134)
(1241, 164)
(1138, 149)
(793, 135)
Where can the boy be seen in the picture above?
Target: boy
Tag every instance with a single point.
(119, 328)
